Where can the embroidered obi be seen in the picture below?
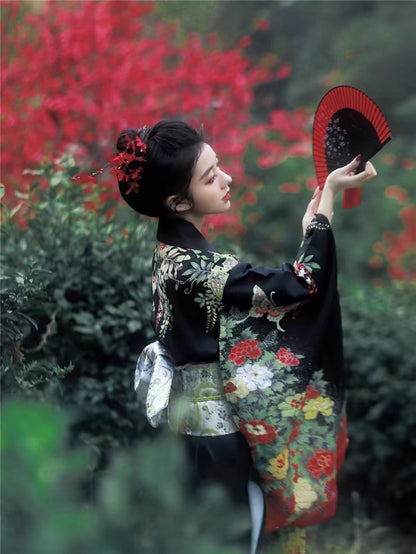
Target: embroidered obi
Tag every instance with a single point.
(198, 405)
(192, 393)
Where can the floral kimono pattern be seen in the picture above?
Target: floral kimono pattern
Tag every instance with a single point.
(277, 336)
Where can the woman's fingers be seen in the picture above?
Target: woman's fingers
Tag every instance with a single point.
(317, 193)
(314, 202)
(368, 173)
(316, 198)
(371, 170)
(344, 177)
(350, 168)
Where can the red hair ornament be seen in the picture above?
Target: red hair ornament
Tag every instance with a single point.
(126, 166)
(347, 123)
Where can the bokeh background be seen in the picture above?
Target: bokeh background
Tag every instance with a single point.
(81, 469)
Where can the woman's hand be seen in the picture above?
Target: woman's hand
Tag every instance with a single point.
(344, 177)
(341, 179)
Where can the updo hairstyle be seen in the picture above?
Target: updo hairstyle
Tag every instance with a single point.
(165, 167)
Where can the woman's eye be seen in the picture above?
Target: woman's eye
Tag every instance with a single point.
(212, 179)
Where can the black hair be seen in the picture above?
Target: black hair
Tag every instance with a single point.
(166, 166)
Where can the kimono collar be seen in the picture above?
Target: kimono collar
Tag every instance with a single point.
(176, 231)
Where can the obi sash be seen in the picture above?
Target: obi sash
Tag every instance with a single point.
(190, 396)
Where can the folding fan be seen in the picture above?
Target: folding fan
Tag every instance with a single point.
(347, 123)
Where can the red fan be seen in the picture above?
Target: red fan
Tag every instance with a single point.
(347, 123)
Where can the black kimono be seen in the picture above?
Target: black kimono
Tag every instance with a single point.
(274, 337)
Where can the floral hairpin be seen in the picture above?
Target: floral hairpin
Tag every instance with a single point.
(126, 166)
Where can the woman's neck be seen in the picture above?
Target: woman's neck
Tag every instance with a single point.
(196, 220)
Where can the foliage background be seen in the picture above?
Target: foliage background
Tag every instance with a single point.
(75, 292)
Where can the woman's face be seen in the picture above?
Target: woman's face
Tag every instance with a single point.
(210, 186)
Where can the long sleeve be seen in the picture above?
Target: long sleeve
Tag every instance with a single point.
(266, 288)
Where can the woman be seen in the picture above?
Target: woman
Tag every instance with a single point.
(248, 359)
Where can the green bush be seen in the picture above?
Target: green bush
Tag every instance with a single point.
(92, 302)
(20, 294)
(141, 505)
(379, 337)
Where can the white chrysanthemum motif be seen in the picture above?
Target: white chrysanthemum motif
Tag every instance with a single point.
(255, 377)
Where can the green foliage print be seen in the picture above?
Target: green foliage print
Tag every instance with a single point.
(202, 275)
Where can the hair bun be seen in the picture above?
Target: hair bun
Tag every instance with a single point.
(131, 134)
(154, 163)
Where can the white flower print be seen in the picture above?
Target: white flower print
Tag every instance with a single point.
(255, 377)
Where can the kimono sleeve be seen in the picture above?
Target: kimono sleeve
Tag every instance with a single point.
(264, 289)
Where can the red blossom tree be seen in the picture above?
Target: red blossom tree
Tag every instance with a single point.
(400, 249)
(76, 73)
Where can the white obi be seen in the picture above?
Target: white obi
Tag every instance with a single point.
(192, 394)
(197, 405)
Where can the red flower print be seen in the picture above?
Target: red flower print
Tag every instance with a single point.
(229, 387)
(311, 392)
(295, 431)
(322, 463)
(258, 432)
(331, 489)
(243, 350)
(286, 357)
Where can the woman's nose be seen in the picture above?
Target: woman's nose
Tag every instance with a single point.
(227, 178)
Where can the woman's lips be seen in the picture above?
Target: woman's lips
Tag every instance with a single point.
(227, 197)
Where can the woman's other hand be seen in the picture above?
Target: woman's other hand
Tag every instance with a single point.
(312, 208)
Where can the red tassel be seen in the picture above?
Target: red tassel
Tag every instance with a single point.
(351, 198)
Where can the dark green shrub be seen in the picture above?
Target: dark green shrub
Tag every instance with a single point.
(93, 300)
(379, 338)
(142, 504)
(20, 294)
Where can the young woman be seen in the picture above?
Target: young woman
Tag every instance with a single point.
(248, 360)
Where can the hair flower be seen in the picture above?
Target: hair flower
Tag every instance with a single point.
(126, 166)
(138, 142)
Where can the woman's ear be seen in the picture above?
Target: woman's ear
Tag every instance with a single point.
(178, 207)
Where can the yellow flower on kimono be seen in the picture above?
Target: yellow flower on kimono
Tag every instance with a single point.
(305, 496)
(234, 389)
(292, 405)
(278, 466)
(318, 405)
